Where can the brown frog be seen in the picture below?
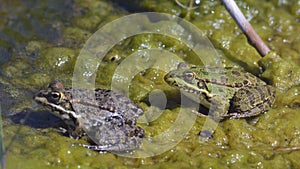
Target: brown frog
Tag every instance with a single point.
(107, 117)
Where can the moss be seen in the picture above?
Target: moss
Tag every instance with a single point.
(91, 14)
(56, 59)
(16, 68)
(235, 143)
(283, 74)
(75, 37)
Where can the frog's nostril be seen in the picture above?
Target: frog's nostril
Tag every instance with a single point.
(39, 94)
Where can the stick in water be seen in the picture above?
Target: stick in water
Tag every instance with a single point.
(246, 27)
(287, 149)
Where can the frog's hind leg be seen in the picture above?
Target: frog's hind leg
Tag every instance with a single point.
(113, 148)
(95, 147)
(130, 144)
(251, 101)
(116, 148)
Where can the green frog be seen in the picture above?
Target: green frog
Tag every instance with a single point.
(107, 117)
(227, 92)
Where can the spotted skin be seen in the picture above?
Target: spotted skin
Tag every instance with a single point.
(227, 92)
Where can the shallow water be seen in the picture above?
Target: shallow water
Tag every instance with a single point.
(40, 42)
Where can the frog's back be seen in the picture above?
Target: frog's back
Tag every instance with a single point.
(107, 100)
(229, 76)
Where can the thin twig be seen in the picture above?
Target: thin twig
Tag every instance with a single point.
(287, 149)
(246, 27)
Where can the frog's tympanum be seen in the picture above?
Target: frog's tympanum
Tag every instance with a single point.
(227, 92)
(109, 118)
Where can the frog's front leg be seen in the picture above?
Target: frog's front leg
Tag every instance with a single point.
(218, 107)
(251, 101)
(76, 133)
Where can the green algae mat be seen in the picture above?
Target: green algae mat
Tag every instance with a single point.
(41, 41)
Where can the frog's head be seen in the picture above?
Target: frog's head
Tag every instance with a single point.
(57, 99)
(186, 78)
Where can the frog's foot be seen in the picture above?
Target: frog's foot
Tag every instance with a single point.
(68, 132)
(251, 101)
(62, 130)
(197, 113)
(216, 111)
(76, 133)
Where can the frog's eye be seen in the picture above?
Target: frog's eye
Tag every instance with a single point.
(55, 95)
(189, 76)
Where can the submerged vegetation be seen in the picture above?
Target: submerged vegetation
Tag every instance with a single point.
(43, 45)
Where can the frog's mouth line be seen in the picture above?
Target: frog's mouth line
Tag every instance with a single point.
(184, 87)
(187, 89)
(55, 107)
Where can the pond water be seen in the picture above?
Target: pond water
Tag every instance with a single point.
(40, 42)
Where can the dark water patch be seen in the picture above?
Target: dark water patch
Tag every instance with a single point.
(131, 6)
(36, 119)
(6, 100)
(36, 20)
(5, 55)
